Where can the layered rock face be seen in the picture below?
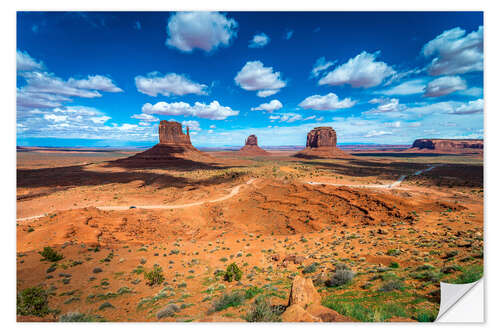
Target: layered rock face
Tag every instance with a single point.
(449, 145)
(251, 148)
(321, 137)
(174, 149)
(321, 143)
(170, 133)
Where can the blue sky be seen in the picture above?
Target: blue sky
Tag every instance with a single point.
(107, 78)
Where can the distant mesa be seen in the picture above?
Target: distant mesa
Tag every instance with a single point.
(251, 148)
(321, 143)
(448, 145)
(174, 148)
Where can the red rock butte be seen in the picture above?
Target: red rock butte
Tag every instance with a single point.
(251, 148)
(174, 148)
(321, 143)
(448, 145)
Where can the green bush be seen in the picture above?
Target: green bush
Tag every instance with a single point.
(233, 273)
(155, 276)
(33, 302)
(340, 277)
(236, 298)
(311, 268)
(252, 291)
(262, 311)
(72, 317)
(392, 285)
(50, 254)
(394, 265)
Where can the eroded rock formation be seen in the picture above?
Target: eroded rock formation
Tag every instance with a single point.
(174, 149)
(251, 147)
(321, 143)
(449, 145)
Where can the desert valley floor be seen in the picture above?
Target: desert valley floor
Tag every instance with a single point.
(275, 216)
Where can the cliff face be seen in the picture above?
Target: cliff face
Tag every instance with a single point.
(321, 137)
(170, 133)
(450, 145)
(251, 141)
(321, 143)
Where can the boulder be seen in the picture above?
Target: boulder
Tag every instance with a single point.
(296, 313)
(326, 314)
(303, 292)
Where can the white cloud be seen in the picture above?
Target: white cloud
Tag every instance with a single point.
(396, 124)
(210, 131)
(95, 82)
(213, 111)
(212, 126)
(55, 118)
(444, 85)
(25, 62)
(320, 66)
(410, 87)
(192, 124)
(473, 91)
(374, 133)
(386, 105)
(269, 107)
(170, 84)
(254, 76)
(203, 30)
(360, 71)
(259, 40)
(100, 120)
(286, 117)
(326, 102)
(288, 34)
(471, 107)
(145, 117)
(455, 52)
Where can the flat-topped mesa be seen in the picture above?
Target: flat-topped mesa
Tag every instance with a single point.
(449, 145)
(170, 133)
(321, 143)
(321, 137)
(251, 148)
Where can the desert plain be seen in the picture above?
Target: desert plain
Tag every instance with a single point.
(394, 223)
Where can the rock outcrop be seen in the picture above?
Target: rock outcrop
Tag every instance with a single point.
(304, 304)
(174, 149)
(251, 148)
(449, 145)
(321, 143)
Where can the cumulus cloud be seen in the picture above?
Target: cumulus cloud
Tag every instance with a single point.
(410, 87)
(203, 30)
(145, 117)
(444, 85)
(327, 102)
(473, 91)
(455, 52)
(213, 111)
(386, 105)
(170, 84)
(192, 124)
(254, 76)
(320, 66)
(259, 40)
(95, 82)
(269, 107)
(375, 133)
(360, 71)
(471, 107)
(25, 62)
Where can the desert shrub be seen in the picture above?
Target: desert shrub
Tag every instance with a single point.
(392, 285)
(393, 252)
(394, 265)
(262, 311)
(50, 254)
(252, 291)
(33, 302)
(236, 298)
(155, 276)
(469, 274)
(80, 317)
(233, 273)
(168, 311)
(340, 277)
(311, 268)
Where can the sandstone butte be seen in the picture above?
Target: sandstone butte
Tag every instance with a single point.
(251, 148)
(174, 146)
(321, 143)
(448, 145)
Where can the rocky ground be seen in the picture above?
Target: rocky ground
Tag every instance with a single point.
(371, 254)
